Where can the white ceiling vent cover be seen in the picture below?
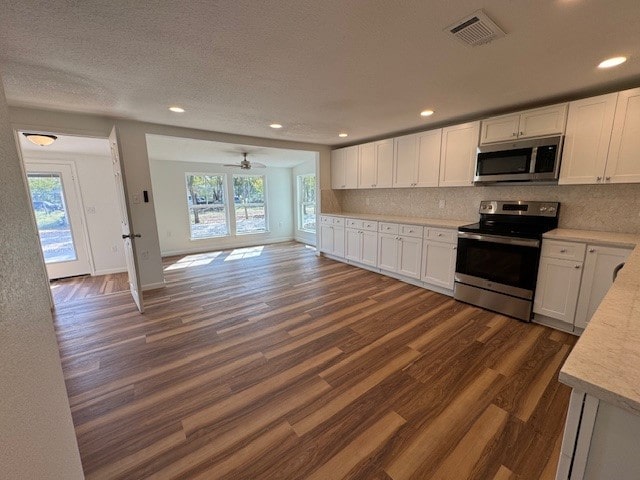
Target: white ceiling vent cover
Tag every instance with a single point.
(476, 29)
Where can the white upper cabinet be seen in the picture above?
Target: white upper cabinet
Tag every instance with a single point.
(603, 140)
(623, 163)
(417, 159)
(344, 168)
(458, 154)
(530, 123)
(586, 143)
(376, 164)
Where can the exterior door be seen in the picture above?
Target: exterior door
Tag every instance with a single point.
(56, 203)
(127, 235)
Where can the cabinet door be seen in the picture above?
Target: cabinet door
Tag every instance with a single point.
(338, 241)
(367, 166)
(369, 248)
(499, 129)
(586, 143)
(458, 154)
(543, 121)
(597, 278)
(405, 166)
(623, 163)
(384, 163)
(337, 169)
(326, 238)
(428, 164)
(352, 241)
(409, 256)
(351, 166)
(388, 252)
(557, 288)
(438, 263)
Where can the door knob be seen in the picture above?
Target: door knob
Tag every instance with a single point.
(131, 236)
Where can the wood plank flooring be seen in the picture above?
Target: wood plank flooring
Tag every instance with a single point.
(78, 288)
(272, 363)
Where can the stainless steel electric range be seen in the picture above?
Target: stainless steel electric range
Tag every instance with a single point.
(497, 259)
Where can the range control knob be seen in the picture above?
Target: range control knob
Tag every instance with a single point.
(543, 209)
(552, 209)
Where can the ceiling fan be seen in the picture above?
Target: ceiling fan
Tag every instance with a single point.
(245, 164)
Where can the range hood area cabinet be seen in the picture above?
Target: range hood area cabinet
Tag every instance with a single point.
(602, 143)
(537, 122)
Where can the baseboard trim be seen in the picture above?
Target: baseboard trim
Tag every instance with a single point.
(153, 286)
(109, 271)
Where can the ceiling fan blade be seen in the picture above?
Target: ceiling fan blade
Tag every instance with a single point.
(258, 165)
(231, 165)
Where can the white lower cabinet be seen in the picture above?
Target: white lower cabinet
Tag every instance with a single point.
(573, 278)
(599, 267)
(438, 263)
(332, 235)
(400, 249)
(361, 242)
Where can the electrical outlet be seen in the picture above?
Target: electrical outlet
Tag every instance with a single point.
(144, 255)
(441, 204)
(136, 198)
(91, 210)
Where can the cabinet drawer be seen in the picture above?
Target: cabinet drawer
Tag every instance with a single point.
(369, 226)
(384, 227)
(442, 235)
(326, 220)
(563, 250)
(353, 223)
(411, 231)
(339, 221)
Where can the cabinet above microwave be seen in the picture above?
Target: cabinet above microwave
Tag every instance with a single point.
(537, 122)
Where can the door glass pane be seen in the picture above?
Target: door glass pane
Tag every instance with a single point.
(47, 198)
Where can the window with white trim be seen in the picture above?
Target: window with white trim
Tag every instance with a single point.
(207, 206)
(307, 203)
(249, 203)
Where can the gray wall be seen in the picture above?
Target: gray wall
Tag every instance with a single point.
(613, 208)
(36, 431)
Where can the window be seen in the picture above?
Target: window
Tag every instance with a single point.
(207, 210)
(249, 203)
(307, 203)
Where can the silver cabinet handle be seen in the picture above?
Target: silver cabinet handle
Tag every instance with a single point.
(598, 179)
(563, 250)
(607, 179)
(577, 266)
(439, 234)
(514, 134)
(455, 248)
(591, 250)
(521, 133)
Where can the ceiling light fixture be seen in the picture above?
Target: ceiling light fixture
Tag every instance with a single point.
(426, 113)
(275, 125)
(40, 139)
(177, 109)
(612, 62)
(342, 135)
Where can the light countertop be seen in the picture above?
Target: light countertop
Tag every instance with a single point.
(426, 222)
(605, 361)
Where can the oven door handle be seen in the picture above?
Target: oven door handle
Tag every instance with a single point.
(522, 242)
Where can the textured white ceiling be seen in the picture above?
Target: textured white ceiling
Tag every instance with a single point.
(316, 67)
(160, 147)
(66, 144)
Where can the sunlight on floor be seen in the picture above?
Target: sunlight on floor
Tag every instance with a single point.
(193, 261)
(249, 252)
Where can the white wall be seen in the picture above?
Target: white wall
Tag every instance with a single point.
(170, 199)
(37, 439)
(308, 167)
(98, 192)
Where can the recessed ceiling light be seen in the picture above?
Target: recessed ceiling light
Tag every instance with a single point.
(426, 113)
(275, 125)
(177, 109)
(342, 135)
(612, 62)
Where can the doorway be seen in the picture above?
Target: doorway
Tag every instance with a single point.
(58, 211)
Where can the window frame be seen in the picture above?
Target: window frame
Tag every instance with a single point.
(225, 198)
(300, 204)
(265, 202)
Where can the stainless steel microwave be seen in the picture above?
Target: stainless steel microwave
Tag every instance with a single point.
(530, 160)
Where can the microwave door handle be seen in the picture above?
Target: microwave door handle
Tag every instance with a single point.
(534, 159)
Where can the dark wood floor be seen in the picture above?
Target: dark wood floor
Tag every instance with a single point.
(277, 364)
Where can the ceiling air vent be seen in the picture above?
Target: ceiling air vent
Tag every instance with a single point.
(476, 29)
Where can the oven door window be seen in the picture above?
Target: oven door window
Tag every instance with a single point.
(505, 162)
(511, 265)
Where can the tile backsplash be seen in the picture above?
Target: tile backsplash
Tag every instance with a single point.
(613, 208)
